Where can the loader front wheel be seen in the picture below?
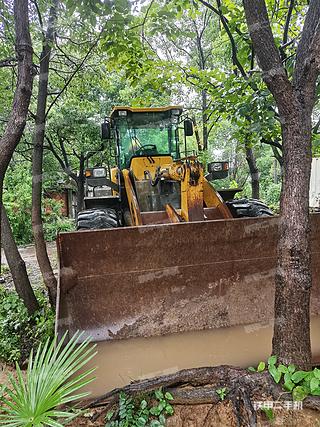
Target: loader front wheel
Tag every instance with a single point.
(242, 208)
(97, 219)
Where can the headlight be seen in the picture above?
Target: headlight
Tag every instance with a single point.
(99, 173)
(216, 167)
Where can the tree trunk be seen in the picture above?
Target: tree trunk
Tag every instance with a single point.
(295, 101)
(22, 96)
(291, 340)
(254, 172)
(37, 161)
(17, 266)
(80, 186)
(197, 135)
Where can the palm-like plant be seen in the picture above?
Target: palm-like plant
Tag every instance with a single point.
(49, 382)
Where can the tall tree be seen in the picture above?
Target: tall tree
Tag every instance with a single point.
(189, 42)
(37, 161)
(17, 119)
(295, 99)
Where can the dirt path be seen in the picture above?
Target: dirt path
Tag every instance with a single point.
(29, 256)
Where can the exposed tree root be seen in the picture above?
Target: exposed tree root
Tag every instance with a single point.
(200, 385)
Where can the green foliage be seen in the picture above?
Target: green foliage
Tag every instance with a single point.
(18, 201)
(269, 413)
(261, 367)
(222, 392)
(54, 222)
(19, 332)
(50, 381)
(147, 411)
(299, 383)
(4, 269)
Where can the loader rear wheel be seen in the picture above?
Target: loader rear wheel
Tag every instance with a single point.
(95, 219)
(248, 208)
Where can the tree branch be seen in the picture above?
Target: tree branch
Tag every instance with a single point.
(267, 53)
(39, 17)
(316, 127)
(309, 47)
(287, 24)
(272, 143)
(8, 62)
(225, 25)
(65, 167)
(74, 73)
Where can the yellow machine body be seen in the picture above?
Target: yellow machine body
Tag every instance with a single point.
(198, 198)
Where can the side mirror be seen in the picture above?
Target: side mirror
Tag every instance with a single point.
(105, 130)
(188, 127)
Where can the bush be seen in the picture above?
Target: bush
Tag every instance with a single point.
(35, 399)
(149, 410)
(20, 332)
(54, 222)
(17, 200)
(271, 196)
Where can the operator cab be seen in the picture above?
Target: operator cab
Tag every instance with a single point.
(145, 133)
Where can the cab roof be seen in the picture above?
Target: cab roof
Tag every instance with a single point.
(145, 109)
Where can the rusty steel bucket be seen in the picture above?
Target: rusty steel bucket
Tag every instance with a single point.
(161, 279)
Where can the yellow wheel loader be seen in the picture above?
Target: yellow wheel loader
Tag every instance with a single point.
(152, 183)
(134, 216)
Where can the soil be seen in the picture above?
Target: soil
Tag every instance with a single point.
(29, 256)
(217, 415)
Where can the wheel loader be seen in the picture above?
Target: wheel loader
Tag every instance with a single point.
(156, 182)
(156, 179)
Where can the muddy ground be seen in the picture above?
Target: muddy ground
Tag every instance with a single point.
(29, 256)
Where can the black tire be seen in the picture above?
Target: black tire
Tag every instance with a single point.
(97, 219)
(251, 208)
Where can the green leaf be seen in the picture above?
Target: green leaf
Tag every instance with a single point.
(162, 419)
(272, 360)
(143, 404)
(291, 368)
(288, 384)
(269, 413)
(159, 394)
(316, 373)
(283, 369)
(275, 373)
(316, 392)
(314, 384)
(299, 393)
(168, 396)
(252, 369)
(298, 376)
(169, 409)
(261, 367)
(155, 411)
(109, 415)
(141, 422)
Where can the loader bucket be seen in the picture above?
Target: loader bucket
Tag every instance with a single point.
(157, 280)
